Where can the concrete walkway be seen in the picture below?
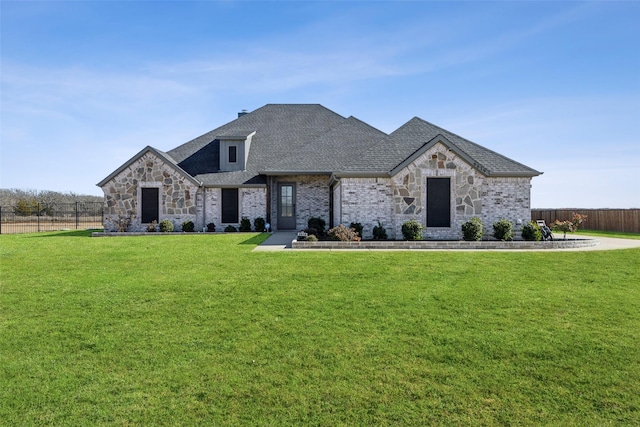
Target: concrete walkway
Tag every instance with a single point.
(280, 240)
(277, 241)
(606, 243)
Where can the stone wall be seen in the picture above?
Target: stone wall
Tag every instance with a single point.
(367, 201)
(472, 194)
(178, 195)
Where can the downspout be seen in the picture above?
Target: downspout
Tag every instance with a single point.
(204, 208)
(268, 195)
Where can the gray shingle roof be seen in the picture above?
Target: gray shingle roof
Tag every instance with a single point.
(417, 135)
(309, 138)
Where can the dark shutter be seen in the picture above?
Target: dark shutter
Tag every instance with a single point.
(438, 202)
(229, 205)
(150, 205)
(233, 154)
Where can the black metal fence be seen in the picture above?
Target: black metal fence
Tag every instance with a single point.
(36, 217)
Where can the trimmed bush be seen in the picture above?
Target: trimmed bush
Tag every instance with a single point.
(152, 227)
(316, 226)
(503, 230)
(245, 224)
(343, 234)
(259, 224)
(311, 238)
(230, 229)
(166, 226)
(211, 227)
(188, 226)
(412, 230)
(531, 231)
(472, 230)
(357, 227)
(379, 233)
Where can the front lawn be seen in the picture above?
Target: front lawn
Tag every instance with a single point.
(200, 330)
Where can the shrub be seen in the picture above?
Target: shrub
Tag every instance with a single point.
(230, 229)
(311, 238)
(245, 224)
(152, 227)
(473, 229)
(188, 226)
(211, 227)
(166, 226)
(577, 219)
(316, 226)
(357, 227)
(503, 230)
(531, 231)
(379, 233)
(259, 224)
(412, 230)
(564, 226)
(569, 226)
(123, 222)
(343, 234)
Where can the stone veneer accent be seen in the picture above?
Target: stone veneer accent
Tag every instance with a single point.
(409, 191)
(402, 197)
(178, 195)
(312, 198)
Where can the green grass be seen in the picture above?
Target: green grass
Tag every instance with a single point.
(616, 234)
(198, 329)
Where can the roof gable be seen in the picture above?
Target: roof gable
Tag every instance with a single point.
(166, 158)
(417, 135)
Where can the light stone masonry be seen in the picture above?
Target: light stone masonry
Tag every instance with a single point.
(178, 196)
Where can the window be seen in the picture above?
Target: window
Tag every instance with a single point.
(233, 154)
(150, 207)
(230, 205)
(438, 202)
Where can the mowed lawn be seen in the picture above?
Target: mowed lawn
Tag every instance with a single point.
(200, 330)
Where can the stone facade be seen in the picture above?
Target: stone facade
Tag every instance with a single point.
(123, 196)
(392, 201)
(403, 197)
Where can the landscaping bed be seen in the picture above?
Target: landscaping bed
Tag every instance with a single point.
(446, 244)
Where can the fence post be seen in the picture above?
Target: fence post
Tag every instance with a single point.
(0, 219)
(38, 215)
(77, 217)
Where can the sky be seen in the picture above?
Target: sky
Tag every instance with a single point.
(554, 85)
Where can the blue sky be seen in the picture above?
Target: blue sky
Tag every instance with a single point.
(553, 85)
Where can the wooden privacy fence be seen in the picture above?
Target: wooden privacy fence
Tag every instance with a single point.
(624, 220)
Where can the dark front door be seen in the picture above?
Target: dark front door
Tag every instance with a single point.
(286, 206)
(438, 202)
(150, 206)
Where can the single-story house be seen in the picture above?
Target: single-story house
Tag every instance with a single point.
(287, 163)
